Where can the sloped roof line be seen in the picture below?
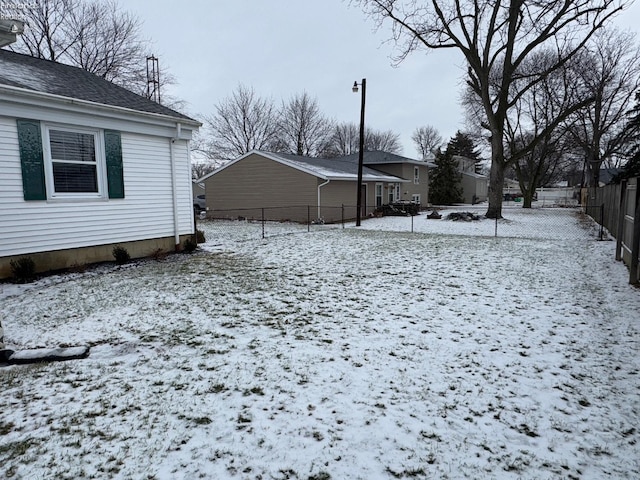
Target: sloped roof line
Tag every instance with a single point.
(306, 165)
(57, 80)
(372, 157)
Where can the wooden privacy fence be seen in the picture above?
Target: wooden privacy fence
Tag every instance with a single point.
(617, 208)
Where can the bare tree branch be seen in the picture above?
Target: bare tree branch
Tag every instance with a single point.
(242, 122)
(497, 39)
(303, 130)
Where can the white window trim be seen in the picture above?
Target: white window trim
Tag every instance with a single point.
(381, 197)
(101, 164)
(415, 198)
(416, 175)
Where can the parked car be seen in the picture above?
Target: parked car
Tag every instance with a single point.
(199, 203)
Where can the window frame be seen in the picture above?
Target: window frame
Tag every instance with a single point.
(416, 175)
(100, 163)
(379, 194)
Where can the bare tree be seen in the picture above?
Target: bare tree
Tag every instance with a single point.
(201, 168)
(382, 140)
(303, 129)
(93, 35)
(533, 120)
(496, 38)
(610, 67)
(427, 140)
(541, 166)
(343, 141)
(241, 123)
(346, 139)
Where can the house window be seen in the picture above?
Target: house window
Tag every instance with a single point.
(378, 194)
(416, 175)
(397, 192)
(65, 162)
(74, 162)
(415, 198)
(391, 192)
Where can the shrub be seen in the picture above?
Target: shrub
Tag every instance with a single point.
(190, 245)
(23, 269)
(200, 236)
(158, 254)
(121, 255)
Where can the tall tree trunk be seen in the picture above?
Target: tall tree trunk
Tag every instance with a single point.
(527, 198)
(496, 177)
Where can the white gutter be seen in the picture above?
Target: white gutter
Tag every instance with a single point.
(320, 186)
(174, 187)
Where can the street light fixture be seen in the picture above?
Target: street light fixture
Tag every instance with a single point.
(360, 148)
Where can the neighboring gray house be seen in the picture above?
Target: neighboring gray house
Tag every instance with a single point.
(287, 185)
(86, 165)
(475, 187)
(416, 190)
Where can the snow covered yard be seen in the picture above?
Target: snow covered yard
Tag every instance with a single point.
(340, 354)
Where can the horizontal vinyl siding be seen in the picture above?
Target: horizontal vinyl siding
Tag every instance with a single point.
(338, 193)
(405, 170)
(256, 181)
(146, 212)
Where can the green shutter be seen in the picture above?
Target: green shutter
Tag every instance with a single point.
(31, 159)
(113, 152)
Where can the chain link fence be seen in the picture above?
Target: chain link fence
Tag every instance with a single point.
(535, 223)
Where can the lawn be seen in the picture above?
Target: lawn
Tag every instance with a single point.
(338, 354)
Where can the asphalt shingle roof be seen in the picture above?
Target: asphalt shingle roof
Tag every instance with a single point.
(45, 76)
(328, 167)
(377, 157)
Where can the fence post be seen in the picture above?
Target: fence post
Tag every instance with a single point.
(621, 208)
(262, 222)
(634, 278)
(411, 223)
(495, 234)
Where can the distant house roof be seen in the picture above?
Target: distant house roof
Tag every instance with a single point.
(47, 77)
(325, 168)
(378, 157)
(607, 175)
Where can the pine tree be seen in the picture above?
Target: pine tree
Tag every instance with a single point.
(444, 180)
(462, 144)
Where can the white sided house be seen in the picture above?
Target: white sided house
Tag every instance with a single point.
(86, 165)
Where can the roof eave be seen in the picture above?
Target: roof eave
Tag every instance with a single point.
(61, 100)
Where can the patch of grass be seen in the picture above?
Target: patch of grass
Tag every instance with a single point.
(244, 418)
(5, 428)
(320, 476)
(202, 421)
(16, 450)
(254, 391)
(217, 388)
(23, 269)
(413, 472)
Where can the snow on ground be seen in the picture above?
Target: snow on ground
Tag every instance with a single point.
(340, 354)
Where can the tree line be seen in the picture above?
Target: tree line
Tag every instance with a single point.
(246, 121)
(549, 86)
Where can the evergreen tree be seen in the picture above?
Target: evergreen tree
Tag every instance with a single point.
(444, 180)
(462, 144)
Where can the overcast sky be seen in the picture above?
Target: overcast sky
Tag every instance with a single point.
(284, 47)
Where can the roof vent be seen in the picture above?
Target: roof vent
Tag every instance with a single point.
(9, 30)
